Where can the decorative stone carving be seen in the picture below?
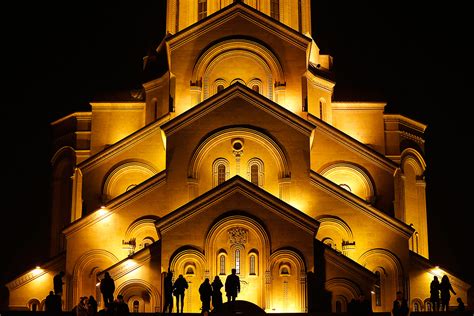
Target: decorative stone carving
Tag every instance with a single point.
(238, 235)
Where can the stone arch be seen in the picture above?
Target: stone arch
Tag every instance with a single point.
(342, 289)
(413, 158)
(338, 230)
(288, 290)
(416, 303)
(276, 151)
(86, 269)
(355, 177)
(219, 82)
(239, 47)
(34, 304)
(391, 273)
(180, 261)
(141, 229)
(124, 176)
(233, 232)
(148, 296)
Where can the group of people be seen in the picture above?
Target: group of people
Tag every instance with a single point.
(440, 294)
(360, 306)
(208, 292)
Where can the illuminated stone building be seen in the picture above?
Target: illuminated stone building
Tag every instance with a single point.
(236, 154)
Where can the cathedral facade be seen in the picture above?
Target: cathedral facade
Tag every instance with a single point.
(236, 155)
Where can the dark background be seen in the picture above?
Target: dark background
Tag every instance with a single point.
(413, 55)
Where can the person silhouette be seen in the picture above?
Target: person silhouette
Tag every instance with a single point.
(205, 293)
(400, 305)
(434, 293)
(232, 286)
(179, 286)
(91, 306)
(121, 308)
(216, 292)
(363, 307)
(51, 303)
(461, 307)
(168, 291)
(445, 288)
(58, 283)
(107, 288)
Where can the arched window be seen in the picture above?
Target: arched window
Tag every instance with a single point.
(284, 270)
(378, 296)
(330, 242)
(189, 270)
(275, 9)
(136, 306)
(34, 305)
(220, 169)
(222, 264)
(416, 307)
(252, 265)
(202, 9)
(256, 88)
(322, 109)
(220, 88)
(255, 171)
(428, 307)
(237, 261)
(338, 306)
(147, 241)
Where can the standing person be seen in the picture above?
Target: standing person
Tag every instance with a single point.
(50, 302)
(205, 293)
(168, 291)
(232, 286)
(179, 286)
(400, 305)
(216, 292)
(121, 308)
(445, 288)
(434, 293)
(461, 307)
(91, 306)
(81, 308)
(107, 288)
(58, 283)
(363, 307)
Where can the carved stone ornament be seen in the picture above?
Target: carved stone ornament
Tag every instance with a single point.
(238, 235)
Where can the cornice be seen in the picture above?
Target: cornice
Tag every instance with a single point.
(122, 145)
(219, 18)
(116, 204)
(238, 91)
(55, 264)
(405, 121)
(320, 82)
(354, 201)
(353, 144)
(114, 106)
(84, 116)
(358, 105)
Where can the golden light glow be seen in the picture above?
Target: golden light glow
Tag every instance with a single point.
(102, 211)
(437, 271)
(37, 271)
(97, 284)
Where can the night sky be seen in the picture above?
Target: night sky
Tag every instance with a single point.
(409, 54)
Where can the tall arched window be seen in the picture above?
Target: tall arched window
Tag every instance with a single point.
(256, 88)
(220, 170)
(275, 9)
(338, 306)
(202, 9)
(237, 261)
(220, 88)
(255, 171)
(378, 294)
(252, 267)
(322, 109)
(222, 265)
(136, 306)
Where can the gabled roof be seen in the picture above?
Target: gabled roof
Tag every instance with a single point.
(352, 144)
(248, 13)
(355, 201)
(238, 90)
(238, 185)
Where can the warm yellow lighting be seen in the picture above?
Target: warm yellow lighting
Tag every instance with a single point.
(97, 284)
(437, 271)
(102, 211)
(37, 271)
(130, 263)
(372, 292)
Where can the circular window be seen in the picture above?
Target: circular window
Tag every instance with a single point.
(237, 144)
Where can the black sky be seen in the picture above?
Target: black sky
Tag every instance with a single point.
(411, 54)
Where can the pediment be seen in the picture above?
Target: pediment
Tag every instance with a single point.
(246, 194)
(225, 101)
(239, 18)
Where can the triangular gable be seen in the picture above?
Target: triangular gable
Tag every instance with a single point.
(353, 200)
(122, 144)
(238, 185)
(238, 90)
(257, 18)
(352, 144)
